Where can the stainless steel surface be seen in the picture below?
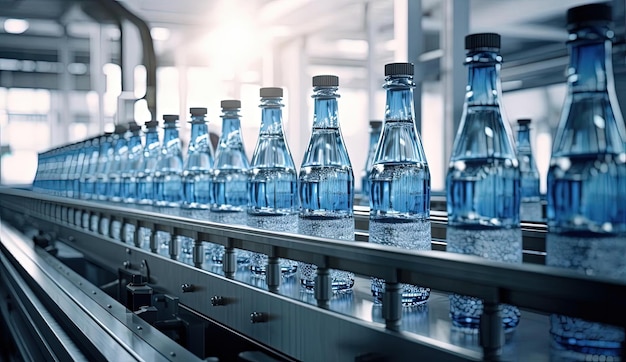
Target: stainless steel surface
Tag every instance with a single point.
(352, 325)
(109, 327)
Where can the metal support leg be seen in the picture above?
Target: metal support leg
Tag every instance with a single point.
(392, 306)
(198, 253)
(491, 332)
(173, 246)
(323, 287)
(153, 241)
(229, 261)
(272, 273)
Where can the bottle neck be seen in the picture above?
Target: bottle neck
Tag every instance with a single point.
(325, 108)
(523, 138)
(483, 83)
(590, 67)
(271, 116)
(199, 133)
(152, 137)
(134, 140)
(374, 135)
(170, 135)
(399, 106)
(230, 123)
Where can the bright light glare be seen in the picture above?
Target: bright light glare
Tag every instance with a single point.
(160, 33)
(15, 26)
(352, 46)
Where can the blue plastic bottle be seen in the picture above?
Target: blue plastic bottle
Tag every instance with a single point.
(197, 177)
(199, 163)
(120, 148)
(326, 182)
(483, 180)
(105, 158)
(131, 163)
(586, 196)
(400, 180)
(168, 182)
(230, 178)
(88, 180)
(375, 128)
(77, 167)
(273, 190)
(147, 167)
(530, 207)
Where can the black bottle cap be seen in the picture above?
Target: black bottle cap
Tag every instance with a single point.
(376, 123)
(152, 123)
(230, 104)
(133, 126)
(170, 118)
(589, 14)
(325, 81)
(120, 129)
(482, 41)
(269, 92)
(399, 69)
(523, 121)
(198, 111)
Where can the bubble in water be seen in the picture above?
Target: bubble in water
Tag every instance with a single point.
(333, 228)
(500, 244)
(411, 235)
(280, 223)
(601, 256)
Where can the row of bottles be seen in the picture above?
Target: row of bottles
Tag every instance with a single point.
(489, 178)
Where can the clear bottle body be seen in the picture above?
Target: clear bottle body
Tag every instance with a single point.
(483, 185)
(197, 174)
(586, 181)
(114, 188)
(272, 184)
(530, 203)
(374, 135)
(146, 168)
(230, 183)
(168, 182)
(400, 185)
(326, 187)
(105, 157)
(131, 164)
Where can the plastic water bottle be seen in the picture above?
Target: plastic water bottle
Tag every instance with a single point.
(131, 163)
(230, 178)
(168, 182)
(77, 167)
(530, 209)
(326, 182)
(105, 156)
(273, 190)
(587, 179)
(375, 127)
(120, 148)
(197, 176)
(199, 163)
(483, 180)
(88, 180)
(149, 159)
(400, 180)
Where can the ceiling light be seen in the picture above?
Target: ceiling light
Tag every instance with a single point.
(15, 26)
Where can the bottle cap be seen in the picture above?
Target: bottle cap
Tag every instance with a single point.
(399, 69)
(271, 92)
(231, 104)
(325, 81)
(152, 123)
(482, 41)
(120, 129)
(133, 126)
(198, 111)
(376, 123)
(170, 118)
(589, 14)
(523, 121)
